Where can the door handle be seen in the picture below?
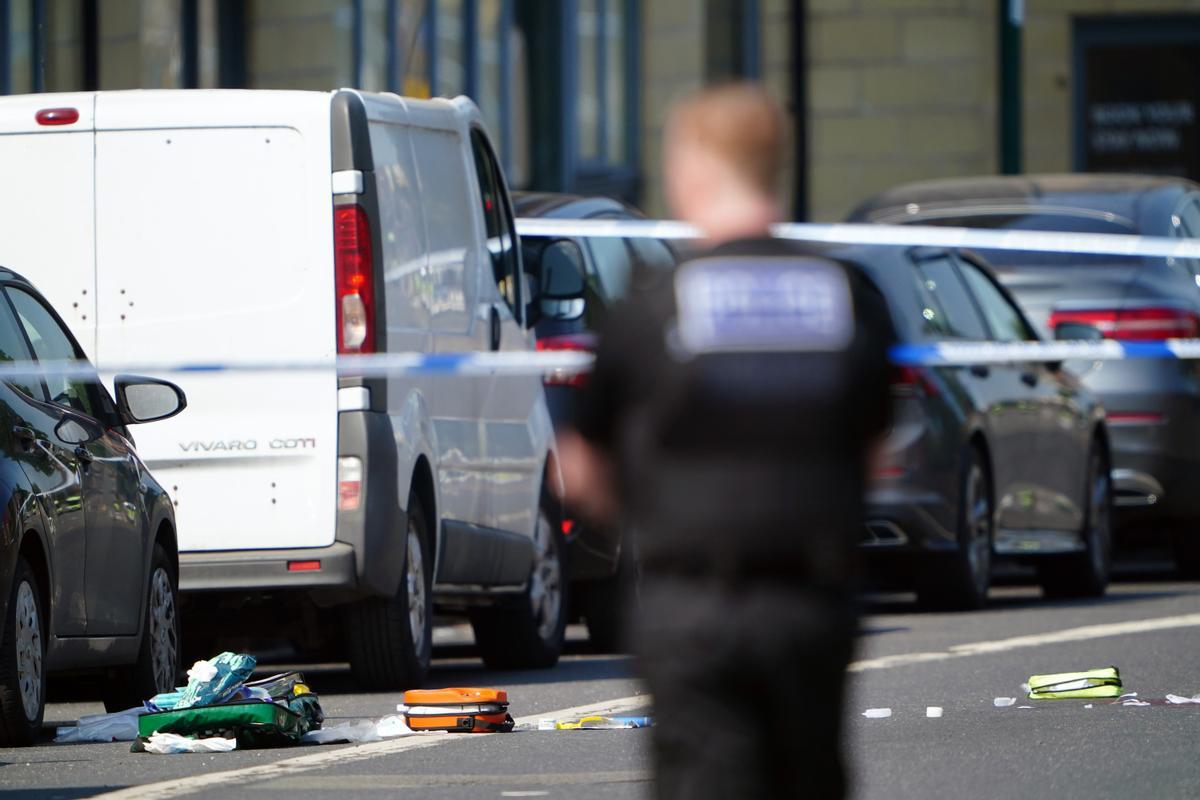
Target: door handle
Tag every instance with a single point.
(980, 370)
(84, 455)
(1029, 378)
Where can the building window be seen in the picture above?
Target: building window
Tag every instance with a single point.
(732, 49)
(601, 106)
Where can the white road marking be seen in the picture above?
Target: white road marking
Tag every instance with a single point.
(1032, 640)
(192, 784)
(524, 794)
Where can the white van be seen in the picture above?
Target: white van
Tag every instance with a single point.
(252, 226)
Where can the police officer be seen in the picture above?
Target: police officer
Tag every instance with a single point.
(728, 420)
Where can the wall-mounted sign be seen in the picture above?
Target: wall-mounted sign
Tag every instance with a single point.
(1137, 95)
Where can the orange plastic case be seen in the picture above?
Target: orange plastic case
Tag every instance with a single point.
(459, 710)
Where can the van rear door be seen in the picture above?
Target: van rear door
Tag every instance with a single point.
(46, 208)
(214, 245)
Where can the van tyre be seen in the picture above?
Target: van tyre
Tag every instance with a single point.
(960, 581)
(528, 633)
(1085, 574)
(390, 639)
(157, 668)
(22, 661)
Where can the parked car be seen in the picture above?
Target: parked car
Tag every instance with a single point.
(88, 555)
(1000, 460)
(574, 281)
(1150, 404)
(276, 226)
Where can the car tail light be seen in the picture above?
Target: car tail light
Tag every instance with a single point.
(1135, 418)
(913, 381)
(350, 475)
(57, 116)
(1137, 324)
(580, 342)
(355, 280)
(304, 566)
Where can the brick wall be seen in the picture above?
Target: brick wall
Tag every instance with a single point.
(898, 90)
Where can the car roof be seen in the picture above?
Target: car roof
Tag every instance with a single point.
(555, 205)
(1126, 196)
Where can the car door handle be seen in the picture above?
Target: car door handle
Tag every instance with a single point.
(24, 435)
(84, 455)
(494, 328)
(1029, 378)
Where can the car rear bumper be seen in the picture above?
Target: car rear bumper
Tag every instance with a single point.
(258, 570)
(907, 520)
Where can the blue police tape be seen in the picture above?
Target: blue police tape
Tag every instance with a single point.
(567, 363)
(1110, 244)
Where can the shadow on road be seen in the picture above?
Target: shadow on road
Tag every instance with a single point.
(61, 793)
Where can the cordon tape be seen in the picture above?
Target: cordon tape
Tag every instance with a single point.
(565, 363)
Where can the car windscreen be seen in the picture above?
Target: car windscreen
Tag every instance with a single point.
(1041, 222)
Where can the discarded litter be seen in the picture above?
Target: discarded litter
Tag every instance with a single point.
(120, 726)
(933, 712)
(1003, 702)
(877, 713)
(1091, 683)
(595, 723)
(1178, 700)
(209, 683)
(1089, 705)
(166, 743)
(1134, 702)
(460, 710)
(358, 731)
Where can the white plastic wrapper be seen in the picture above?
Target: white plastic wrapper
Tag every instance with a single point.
(877, 713)
(202, 671)
(121, 726)
(1178, 700)
(1004, 702)
(933, 712)
(167, 743)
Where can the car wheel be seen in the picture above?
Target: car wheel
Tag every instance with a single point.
(1085, 574)
(157, 668)
(606, 605)
(391, 638)
(22, 661)
(961, 581)
(528, 632)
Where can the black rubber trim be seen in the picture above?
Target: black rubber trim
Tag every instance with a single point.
(478, 556)
(351, 139)
(266, 569)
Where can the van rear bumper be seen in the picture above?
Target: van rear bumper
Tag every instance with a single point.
(268, 569)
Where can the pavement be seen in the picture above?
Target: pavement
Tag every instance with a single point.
(908, 660)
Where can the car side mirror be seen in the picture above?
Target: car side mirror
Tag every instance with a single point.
(147, 399)
(1077, 332)
(75, 431)
(563, 271)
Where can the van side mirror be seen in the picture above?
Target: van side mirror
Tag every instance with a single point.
(1077, 332)
(147, 399)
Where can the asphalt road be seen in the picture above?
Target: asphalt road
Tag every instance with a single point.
(908, 660)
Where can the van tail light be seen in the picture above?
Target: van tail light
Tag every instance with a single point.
(350, 476)
(578, 342)
(1133, 324)
(913, 382)
(355, 280)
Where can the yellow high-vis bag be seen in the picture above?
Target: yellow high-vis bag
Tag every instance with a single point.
(1091, 683)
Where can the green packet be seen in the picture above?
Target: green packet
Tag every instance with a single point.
(1092, 683)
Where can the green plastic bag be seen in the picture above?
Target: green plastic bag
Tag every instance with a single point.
(1091, 683)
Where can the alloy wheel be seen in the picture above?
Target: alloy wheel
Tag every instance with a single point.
(29, 650)
(164, 631)
(978, 528)
(545, 584)
(1099, 517)
(415, 577)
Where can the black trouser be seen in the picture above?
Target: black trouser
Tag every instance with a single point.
(747, 680)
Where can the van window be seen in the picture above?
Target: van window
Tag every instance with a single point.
(51, 343)
(447, 213)
(401, 228)
(501, 239)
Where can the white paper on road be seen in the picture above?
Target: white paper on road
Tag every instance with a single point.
(120, 726)
(933, 712)
(1178, 700)
(1003, 702)
(168, 743)
(877, 713)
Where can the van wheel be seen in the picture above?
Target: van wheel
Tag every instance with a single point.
(391, 638)
(1086, 574)
(22, 661)
(157, 667)
(607, 604)
(528, 633)
(961, 581)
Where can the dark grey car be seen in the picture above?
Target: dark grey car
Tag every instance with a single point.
(1151, 405)
(1009, 460)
